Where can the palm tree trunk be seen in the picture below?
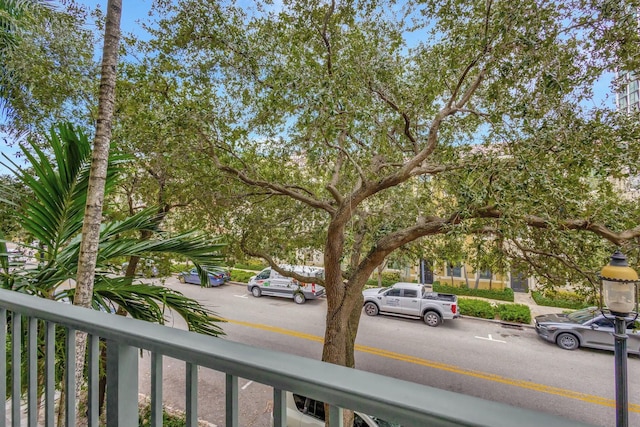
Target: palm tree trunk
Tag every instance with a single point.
(97, 178)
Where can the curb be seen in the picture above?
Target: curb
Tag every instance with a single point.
(500, 322)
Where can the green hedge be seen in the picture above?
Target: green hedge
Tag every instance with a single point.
(562, 299)
(241, 275)
(505, 294)
(373, 283)
(181, 266)
(519, 313)
(476, 308)
(250, 266)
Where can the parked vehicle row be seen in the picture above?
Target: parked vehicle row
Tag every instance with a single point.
(582, 328)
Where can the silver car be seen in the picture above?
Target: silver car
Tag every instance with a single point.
(585, 328)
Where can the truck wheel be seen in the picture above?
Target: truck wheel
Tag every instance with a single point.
(432, 318)
(371, 309)
(299, 298)
(256, 292)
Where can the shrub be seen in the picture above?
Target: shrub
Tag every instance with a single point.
(562, 299)
(241, 275)
(373, 283)
(180, 267)
(476, 308)
(390, 276)
(514, 313)
(505, 294)
(254, 266)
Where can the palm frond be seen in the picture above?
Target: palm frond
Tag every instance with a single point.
(152, 303)
(55, 214)
(59, 185)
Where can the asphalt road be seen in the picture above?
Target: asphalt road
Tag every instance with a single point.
(470, 356)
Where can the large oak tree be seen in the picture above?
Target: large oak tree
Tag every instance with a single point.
(363, 127)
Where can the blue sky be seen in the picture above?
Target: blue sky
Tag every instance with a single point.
(135, 11)
(132, 13)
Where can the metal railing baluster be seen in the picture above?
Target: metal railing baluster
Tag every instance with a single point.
(156, 389)
(279, 408)
(32, 363)
(94, 380)
(50, 371)
(231, 412)
(16, 362)
(70, 378)
(335, 416)
(191, 394)
(122, 385)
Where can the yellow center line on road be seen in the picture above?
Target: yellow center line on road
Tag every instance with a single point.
(449, 368)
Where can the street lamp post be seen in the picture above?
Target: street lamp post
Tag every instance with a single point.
(618, 288)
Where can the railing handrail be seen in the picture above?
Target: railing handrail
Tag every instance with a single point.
(405, 402)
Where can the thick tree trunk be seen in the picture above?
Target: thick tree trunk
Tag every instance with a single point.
(344, 304)
(335, 345)
(97, 178)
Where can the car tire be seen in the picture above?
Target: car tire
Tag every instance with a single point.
(567, 341)
(256, 291)
(299, 298)
(181, 279)
(371, 309)
(431, 318)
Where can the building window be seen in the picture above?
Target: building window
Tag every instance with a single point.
(454, 271)
(623, 103)
(485, 274)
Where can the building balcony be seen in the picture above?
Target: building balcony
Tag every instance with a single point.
(34, 351)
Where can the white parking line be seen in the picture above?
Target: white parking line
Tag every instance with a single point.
(247, 385)
(490, 339)
(242, 296)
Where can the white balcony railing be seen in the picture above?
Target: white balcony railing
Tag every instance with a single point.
(410, 404)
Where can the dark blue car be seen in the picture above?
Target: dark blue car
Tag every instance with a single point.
(215, 278)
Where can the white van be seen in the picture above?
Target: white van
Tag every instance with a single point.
(270, 282)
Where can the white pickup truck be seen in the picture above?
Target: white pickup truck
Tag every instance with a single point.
(411, 300)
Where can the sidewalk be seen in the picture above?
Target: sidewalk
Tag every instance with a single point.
(536, 310)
